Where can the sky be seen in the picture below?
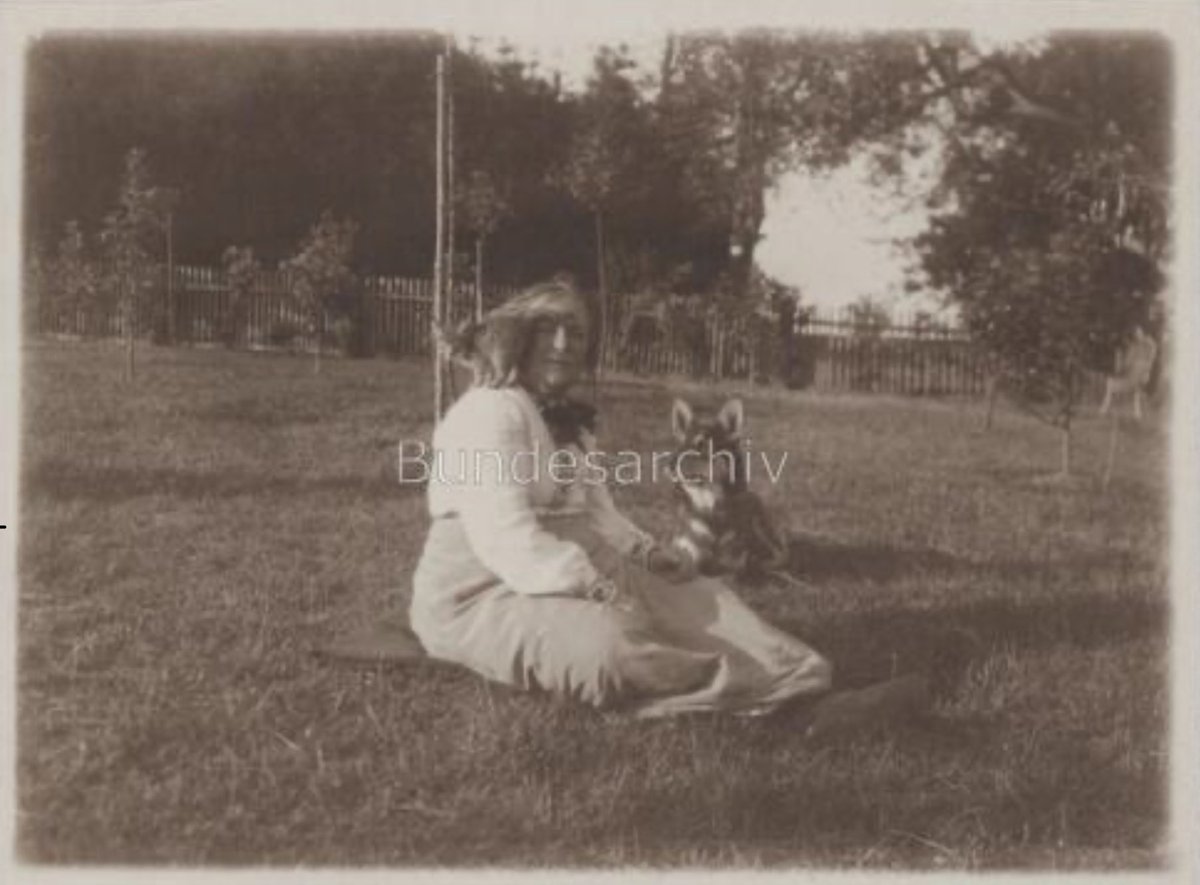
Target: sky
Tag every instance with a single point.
(837, 238)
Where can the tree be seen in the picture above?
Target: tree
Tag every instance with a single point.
(73, 280)
(868, 317)
(600, 162)
(741, 110)
(129, 237)
(241, 272)
(1051, 222)
(166, 202)
(770, 313)
(483, 207)
(513, 128)
(319, 274)
(261, 143)
(36, 273)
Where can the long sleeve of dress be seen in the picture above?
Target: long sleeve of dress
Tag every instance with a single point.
(616, 528)
(496, 506)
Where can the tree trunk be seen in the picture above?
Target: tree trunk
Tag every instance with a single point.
(129, 330)
(1073, 387)
(1065, 447)
(666, 66)
(787, 341)
(742, 265)
(171, 278)
(320, 326)
(479, 278)
(993, 393)
(751, 188)
(1112, 452)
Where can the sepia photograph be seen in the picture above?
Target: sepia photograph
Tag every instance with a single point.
(578, 440)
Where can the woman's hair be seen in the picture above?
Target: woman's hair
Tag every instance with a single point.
(506, 334)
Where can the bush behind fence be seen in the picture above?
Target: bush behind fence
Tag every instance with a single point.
(830, 351)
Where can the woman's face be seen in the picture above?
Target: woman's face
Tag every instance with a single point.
(556, 353)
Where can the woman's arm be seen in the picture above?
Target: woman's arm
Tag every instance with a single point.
(495, 505)
(616, 528)
(626, 536)
(632, 541)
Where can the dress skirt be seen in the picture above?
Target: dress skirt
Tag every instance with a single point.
(664, 648)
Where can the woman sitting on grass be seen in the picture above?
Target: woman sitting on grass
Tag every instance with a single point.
(531, 577)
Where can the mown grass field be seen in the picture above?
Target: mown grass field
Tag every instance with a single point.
(188, 540)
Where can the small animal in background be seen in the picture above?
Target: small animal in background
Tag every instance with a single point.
(725, 527)
(1132, 371)
(484, 347)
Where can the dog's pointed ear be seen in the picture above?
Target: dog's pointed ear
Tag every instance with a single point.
(681, 419)
(732, 417)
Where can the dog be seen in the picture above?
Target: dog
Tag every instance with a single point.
(725, 528)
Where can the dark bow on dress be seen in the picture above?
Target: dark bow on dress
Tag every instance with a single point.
(567, 419)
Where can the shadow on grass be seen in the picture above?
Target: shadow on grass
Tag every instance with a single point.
(67, 481)
(816, 559)
(876, 644)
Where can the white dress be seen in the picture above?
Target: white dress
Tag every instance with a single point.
(513, 542)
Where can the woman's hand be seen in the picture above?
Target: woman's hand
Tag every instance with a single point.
(670, 564)
(606, 591)
(603, 590)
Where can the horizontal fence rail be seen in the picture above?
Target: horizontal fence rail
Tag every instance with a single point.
(821, 350)
(684, 337)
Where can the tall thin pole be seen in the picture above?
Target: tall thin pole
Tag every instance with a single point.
(602, 286)
(449, 177)
(439, 239)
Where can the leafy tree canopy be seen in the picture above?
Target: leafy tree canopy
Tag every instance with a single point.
(1051, 220)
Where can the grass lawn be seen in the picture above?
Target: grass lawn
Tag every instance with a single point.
(186, 541)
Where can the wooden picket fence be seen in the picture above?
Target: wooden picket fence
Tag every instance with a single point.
(821, 350)
(829, 351)
(392, 314)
